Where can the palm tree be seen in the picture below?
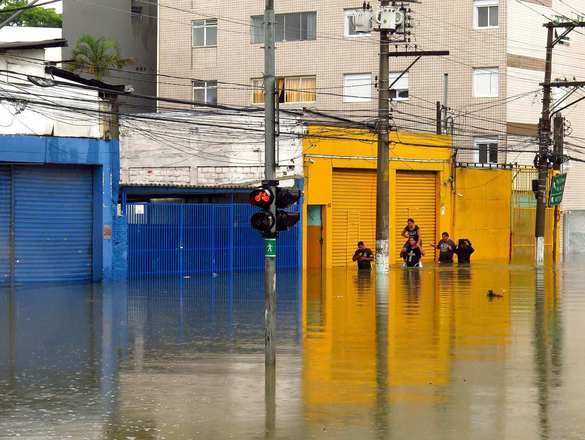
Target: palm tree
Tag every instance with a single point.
(97, 56)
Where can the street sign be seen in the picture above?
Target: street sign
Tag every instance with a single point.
(270, 248)
(557, 188)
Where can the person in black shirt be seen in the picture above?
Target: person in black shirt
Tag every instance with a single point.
(363, 256)
(446, 249)
(464, 250)
(412, 254)
(411, 230)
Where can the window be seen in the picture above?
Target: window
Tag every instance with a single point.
(300, 26)
(204, 32)
(486, 150)
(290, 89)
(399, 91)
(205, 92)
(486, 82)
(485, 14)
(357, 87)
(349, 27)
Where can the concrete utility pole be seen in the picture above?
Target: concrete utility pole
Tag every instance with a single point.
(544, 127)
(559, 140)
(382, 173)
(270, 243)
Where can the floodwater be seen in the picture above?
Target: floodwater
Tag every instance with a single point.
(417, 355)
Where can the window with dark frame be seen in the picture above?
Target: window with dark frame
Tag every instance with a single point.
(487, 151)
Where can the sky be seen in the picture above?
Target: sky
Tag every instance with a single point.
(57, 6)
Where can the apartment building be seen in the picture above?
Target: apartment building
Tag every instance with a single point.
(211, 51)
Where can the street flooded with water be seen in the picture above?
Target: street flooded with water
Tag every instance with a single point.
(420, 354)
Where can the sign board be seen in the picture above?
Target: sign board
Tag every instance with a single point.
(557, 188)
(270, 247)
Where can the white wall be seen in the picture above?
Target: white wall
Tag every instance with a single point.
(18, 33)
(223, 149)
(28, 109)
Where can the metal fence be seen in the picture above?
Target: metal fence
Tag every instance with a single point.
(187, 239)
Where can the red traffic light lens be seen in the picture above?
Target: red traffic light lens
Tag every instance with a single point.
(261, 197)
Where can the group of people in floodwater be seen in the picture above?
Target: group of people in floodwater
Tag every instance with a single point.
(412, 251)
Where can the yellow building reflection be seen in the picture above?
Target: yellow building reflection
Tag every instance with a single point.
(441, 326)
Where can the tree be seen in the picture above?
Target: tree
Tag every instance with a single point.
(33, 17)
(97, 56)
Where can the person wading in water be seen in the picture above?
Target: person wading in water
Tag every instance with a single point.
(363, 256)
(412, 254)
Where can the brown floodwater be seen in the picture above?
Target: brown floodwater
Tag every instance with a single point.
(419, 354)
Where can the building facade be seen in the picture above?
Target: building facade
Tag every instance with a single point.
(212, 53)
(133, 24)
(58, 178)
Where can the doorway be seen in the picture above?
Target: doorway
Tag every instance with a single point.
(315, 236)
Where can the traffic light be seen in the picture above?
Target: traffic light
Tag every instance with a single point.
(273, 201)
(264, 220)
(285, 197)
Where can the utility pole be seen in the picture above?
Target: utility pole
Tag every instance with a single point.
(382, 172)
(445, 102)
(544, 138)
(559, 140)
(270, 239)
(542, 159)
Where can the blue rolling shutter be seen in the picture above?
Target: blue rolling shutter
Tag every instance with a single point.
(54, 223)
(4, 225)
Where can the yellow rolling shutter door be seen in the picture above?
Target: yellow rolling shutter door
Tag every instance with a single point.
(354, 212)
(416, 197)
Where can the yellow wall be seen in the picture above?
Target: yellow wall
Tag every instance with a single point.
(482, 211)
(478, 209)
(327, 148)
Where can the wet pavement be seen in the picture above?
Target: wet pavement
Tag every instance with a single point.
(420, 354)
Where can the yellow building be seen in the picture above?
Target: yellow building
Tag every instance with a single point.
(340, 196)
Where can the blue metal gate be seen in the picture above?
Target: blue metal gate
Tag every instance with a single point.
(186, 239)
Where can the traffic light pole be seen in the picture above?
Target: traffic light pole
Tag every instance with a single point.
(382, 173)
(270, 242)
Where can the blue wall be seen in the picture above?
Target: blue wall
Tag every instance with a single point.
(103, 156)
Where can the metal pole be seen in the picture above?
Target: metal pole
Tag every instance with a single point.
(439, 118)
(382, 177)
(270, 242)
(445, 100)
(559, 138)
(544, 143)
(17, 14)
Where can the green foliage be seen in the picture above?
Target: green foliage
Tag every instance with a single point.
(34, 17)
(97, 56)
